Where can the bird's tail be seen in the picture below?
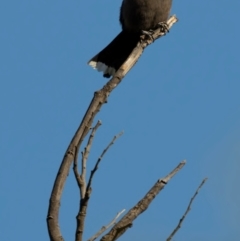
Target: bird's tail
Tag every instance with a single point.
(115, 54)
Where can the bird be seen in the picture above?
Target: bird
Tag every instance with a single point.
(136, 17)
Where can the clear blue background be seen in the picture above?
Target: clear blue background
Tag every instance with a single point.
(180, 101)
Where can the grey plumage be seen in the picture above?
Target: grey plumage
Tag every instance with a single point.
(137, 15)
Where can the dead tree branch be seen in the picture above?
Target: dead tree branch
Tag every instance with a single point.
(186, 212)
(100, 98)
(100, 158)
(104, 228)
(85, 156)
(81, 179)
(84, 200)
(126, 222)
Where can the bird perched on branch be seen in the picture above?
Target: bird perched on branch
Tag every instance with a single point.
(137, 17)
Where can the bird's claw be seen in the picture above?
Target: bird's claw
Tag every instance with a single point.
(164, 28)
(148, 34)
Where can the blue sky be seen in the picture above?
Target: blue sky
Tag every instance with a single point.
(181, 101)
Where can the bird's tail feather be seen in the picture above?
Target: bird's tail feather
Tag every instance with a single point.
(115, 54)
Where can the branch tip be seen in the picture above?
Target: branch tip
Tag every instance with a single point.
(100, 158)
(187, 210)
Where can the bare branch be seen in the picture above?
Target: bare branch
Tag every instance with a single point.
(84, 200)
(100, 158)
(140, 207)
(85, 157)
(104, 228)
(81, 179)
(100, 98)
(186, 212)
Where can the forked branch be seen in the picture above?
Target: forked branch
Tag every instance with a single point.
(81, 179)
(84, 199)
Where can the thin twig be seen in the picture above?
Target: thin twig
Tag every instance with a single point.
(127, 220)
(100, 158)
(104, 228)
(84, 200)
(85, 157)
(186, 212)
(81, 179)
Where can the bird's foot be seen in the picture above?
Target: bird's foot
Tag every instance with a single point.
(164, 28)
(148, 34)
